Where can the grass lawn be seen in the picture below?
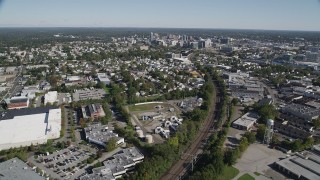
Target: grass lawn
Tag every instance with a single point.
(144, 107)
(229, 173)
(246, 177)
(257, 174)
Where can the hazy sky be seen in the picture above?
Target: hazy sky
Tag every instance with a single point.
(236, 14)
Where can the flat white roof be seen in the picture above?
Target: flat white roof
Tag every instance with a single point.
(22, 129)
(246, 120)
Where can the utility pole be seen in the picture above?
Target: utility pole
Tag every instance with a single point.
(192, 161)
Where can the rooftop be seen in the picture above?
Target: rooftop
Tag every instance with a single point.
(247, 119)
(10, 114)
(304, 165)
(18, 170)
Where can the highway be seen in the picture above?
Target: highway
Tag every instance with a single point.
(180, 167)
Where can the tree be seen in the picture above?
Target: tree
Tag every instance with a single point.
(99, 154)
(267, 111)
(174, 141)
(82, 123)
(243, 144)
(31, 147)
(112, 144)
(251, 136)
(260, 131)
(54, 80)
(235, 101)
(231, 156)
(104, 120)
(316, 123)
(275, 139)
(297, 145)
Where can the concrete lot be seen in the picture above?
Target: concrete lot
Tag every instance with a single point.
(258, 158)
(233, 137)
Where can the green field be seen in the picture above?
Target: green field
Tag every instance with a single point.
(246, 177)
(229, 173)
(145, 107)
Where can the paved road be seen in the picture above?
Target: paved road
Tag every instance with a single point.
(178, 169)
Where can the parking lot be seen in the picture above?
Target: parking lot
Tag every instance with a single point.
(259, 158)
(64, 164)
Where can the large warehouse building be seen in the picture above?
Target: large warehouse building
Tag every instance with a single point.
(23, 127)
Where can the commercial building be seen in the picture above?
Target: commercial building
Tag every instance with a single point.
(101, 134)
(18, 170)
(23, 127)
(89, 94)
(304, 165)
(103, 78)
(93, 111)
(246, 121)
(51, 97)
(116, 166)
(17, 102)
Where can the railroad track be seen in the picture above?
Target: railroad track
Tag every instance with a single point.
(181, 166)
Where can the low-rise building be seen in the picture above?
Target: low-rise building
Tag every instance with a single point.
(17, 102)
(93, 111)
(289, 130)
(51, 97)
(246, 121)
(116, 166)
(101, 134)
(103, 78)
(304, 112)
(89, 94)
(304, 165)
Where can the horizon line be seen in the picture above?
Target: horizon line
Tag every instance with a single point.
(123, 27)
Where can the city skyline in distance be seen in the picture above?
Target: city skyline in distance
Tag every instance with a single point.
(229, 14)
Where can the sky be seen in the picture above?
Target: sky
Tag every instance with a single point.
(226, 14)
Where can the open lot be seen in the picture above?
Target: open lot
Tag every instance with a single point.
(257, 159)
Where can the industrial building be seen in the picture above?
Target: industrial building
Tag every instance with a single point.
(18, 170)
(304, 165)
(89, 94)
(289, 130)
(246, 121)
(17, 102)
(244, 87)
(101, 134)
(116, 166)
(301, 111)
(23, 127)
